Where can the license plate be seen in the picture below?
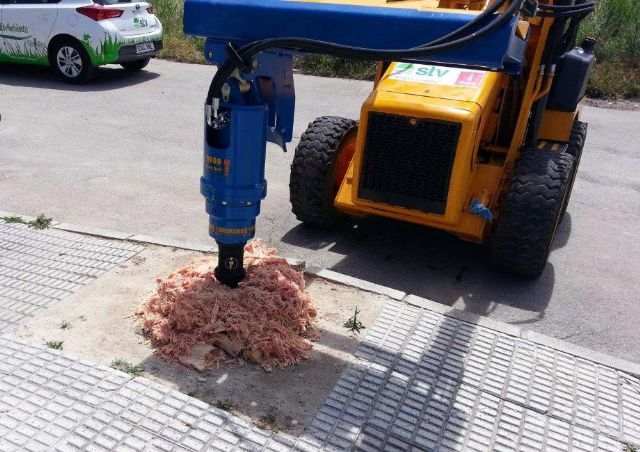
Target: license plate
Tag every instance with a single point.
(145, 47)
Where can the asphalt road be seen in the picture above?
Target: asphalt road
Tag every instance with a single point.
(125, 153)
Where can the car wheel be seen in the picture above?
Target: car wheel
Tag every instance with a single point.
(71, 62)
(136, 65)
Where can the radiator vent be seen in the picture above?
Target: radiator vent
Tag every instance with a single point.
(408, 161)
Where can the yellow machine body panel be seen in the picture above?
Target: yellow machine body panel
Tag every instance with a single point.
(416, 92)
(556, 125)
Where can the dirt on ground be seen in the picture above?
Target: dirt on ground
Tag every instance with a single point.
(615, 104)
(98, 323)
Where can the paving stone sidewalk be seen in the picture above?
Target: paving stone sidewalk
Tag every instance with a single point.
(423, 381)
(430, 382)
(39, 267)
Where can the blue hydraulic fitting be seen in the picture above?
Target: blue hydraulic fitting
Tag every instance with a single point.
(233, 182)
(480, 209)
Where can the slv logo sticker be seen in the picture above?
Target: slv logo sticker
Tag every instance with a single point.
(438, 75)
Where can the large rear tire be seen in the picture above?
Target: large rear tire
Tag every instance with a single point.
(576, 145)
(531, 211)
(319, 161)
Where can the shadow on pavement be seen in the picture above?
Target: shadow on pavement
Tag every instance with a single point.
(290, 396)
(399, 389)
(431, 264)
(107, 78)
(563, 233)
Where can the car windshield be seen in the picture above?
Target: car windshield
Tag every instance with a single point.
(110, 2)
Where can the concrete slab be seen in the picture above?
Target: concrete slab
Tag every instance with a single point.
(41, 267)
(91, 230)
(174, 243)
(102, 328)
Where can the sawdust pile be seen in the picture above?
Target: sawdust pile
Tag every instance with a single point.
(194, 320)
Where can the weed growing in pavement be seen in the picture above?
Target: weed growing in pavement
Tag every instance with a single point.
(13, 219)
(42, 222)
(126, 367)
(56, 345)
(268, 421)
(64, 325)
(353, 324)
(226, 405)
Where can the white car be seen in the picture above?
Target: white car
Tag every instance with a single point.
(76, 36)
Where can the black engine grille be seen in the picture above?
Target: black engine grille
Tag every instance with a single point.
(408, 161)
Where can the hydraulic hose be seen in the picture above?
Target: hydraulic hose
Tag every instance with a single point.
(563, 14)
(565, 7)
(557, 45)
(314, 46)
(562, 11)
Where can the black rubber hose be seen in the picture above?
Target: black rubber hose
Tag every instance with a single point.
(487, 13)
(345, 51)
(364, 53)
(570, 13)
(248, 49)
(567, 14)
(565, 7)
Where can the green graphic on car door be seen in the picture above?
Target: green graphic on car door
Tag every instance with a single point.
(19, 45)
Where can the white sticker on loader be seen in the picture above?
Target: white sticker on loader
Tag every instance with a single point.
(439, 75)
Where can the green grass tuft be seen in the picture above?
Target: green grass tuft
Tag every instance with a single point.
(42, 222)
(353, 324)
(13, 219)
(269, 421)
(226, 405)
(127, 367)
(56, 345)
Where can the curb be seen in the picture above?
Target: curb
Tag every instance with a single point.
(120, 235)
(339, 278)
(355, 282)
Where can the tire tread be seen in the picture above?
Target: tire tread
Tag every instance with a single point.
(311, 189)
(531, 210)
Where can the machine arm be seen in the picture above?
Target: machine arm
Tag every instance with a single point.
(251, 98)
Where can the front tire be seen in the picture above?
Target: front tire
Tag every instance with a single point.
(318, 166)
(135, 65)
(71, 62)
(531, 211)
